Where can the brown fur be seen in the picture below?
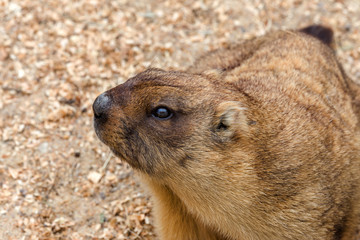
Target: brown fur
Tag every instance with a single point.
(263, 143)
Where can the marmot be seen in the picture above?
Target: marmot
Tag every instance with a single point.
(257, 141)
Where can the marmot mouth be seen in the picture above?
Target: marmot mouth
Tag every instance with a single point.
(118, 154)
(98, 130)
(132, 162)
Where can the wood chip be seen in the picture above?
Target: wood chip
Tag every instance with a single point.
(94, 177)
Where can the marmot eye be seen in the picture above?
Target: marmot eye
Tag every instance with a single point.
(162, 113)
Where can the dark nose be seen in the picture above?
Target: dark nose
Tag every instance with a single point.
(101, 105)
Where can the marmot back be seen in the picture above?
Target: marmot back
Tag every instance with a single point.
(257, 141)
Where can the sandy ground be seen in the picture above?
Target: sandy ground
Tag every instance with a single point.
(57, 180)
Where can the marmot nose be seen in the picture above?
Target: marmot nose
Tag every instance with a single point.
(101, 105)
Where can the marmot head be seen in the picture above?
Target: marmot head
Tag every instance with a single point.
(159, 120)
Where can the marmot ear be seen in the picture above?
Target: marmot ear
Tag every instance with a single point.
(229, 120)
(324, 34)
(212, 73)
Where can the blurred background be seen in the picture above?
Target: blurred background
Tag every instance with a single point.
(57, 181)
